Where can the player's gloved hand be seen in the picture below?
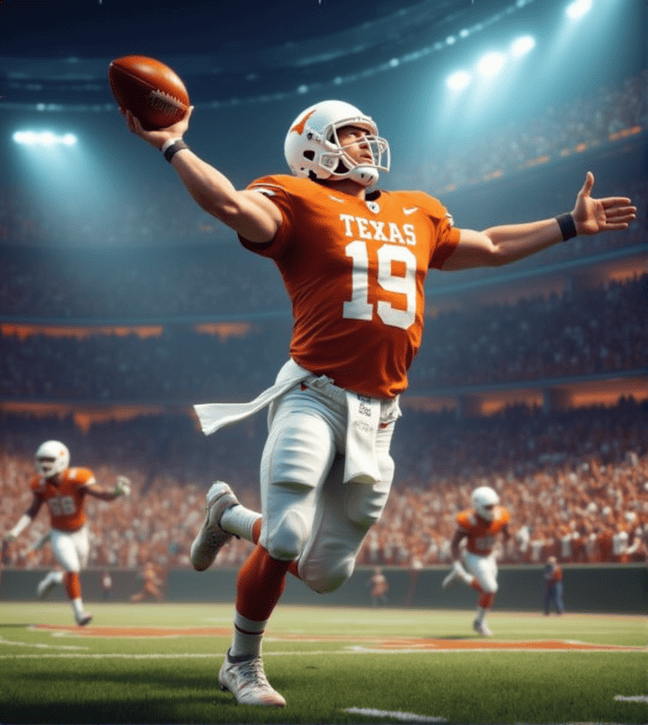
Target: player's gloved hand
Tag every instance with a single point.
(122, 487)
(9, 537)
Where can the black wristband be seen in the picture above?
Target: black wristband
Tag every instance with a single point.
(567, 226)
(174, 148)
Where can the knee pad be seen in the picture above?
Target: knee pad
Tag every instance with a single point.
(363, 504)
(288, 537)
(324, 580)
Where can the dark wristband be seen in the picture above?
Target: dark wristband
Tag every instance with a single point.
(567, 226)
(174, 148)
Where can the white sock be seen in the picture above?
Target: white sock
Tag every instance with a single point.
(248, 636)
(481, 613)
(77, 605)
(239, 521)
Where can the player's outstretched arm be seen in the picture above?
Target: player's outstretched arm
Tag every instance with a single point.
(24, 521)
(508, 243)
(248, 213)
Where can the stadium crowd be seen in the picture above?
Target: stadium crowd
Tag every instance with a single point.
(576, 483)
(583, 331)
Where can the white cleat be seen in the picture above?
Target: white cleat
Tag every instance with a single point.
(83, 619)
(482, 628)
(211, 538)
(45, 587)
(247, 682)
(451, 579)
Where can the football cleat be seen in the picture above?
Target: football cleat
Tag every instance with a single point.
(482, 628)
(83, 619)
(451, 579)
(248, 683)
(211, 538)
(46, 586)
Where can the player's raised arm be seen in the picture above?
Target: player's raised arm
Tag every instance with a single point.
(248, 213)
(508, 243)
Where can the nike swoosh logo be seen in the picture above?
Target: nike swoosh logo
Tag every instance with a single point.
(335, 198)
(410, 210)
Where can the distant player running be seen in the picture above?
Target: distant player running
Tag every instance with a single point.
(64, 490)
(480, 527)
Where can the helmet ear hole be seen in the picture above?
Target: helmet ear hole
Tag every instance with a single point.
(310, 155)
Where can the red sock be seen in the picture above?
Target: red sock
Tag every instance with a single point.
(476, 585)
(486, 600)
(72, 584)
(259, 585)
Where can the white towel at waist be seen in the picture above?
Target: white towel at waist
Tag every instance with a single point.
(214, 416)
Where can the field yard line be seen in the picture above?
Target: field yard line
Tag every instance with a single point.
(394, 714)
(314, 653)
(40, 645)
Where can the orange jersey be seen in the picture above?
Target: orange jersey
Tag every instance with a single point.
(482, 534)
(65, 500)
(355, 272)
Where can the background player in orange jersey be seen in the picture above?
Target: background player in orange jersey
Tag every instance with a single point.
(354, 260)
(150, 585)
(64, 489)
(479, 527)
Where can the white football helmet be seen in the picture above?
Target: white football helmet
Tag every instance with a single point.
(52, 457)
(484, 499)
(313, 150)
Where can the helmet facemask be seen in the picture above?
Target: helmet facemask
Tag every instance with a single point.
(344, 167)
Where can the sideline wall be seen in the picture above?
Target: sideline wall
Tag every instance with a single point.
(591, 589)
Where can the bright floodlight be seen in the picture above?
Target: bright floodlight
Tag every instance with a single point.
(522, 45)
(458, 81)
(578, 8)
(43, 138)
(491, 64)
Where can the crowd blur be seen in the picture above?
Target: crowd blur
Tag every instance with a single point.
(585, 122)
(576, 484)
(583, 331)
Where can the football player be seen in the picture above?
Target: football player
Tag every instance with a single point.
(64, 489)
(479, 527)
(354, 260)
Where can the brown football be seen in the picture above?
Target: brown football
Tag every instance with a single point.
(149, 89)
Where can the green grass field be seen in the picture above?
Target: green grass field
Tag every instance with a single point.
(333, 665)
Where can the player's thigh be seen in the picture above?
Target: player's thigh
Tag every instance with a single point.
(65, 551)
(344, 514)
(481, 567)
(296, 460)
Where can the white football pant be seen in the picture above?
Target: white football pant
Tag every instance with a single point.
(71, 549)
(484, 569)
(309, 514)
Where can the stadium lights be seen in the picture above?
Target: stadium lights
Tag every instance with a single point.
(491, 64)
(578, 8)
(458, 81)
(43, 139)
(522, 45)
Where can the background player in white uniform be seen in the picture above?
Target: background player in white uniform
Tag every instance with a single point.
(64, 489)
(354, 263)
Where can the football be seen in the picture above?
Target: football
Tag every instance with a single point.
(149, 89)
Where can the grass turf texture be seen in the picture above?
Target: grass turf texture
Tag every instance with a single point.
(378, 659)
